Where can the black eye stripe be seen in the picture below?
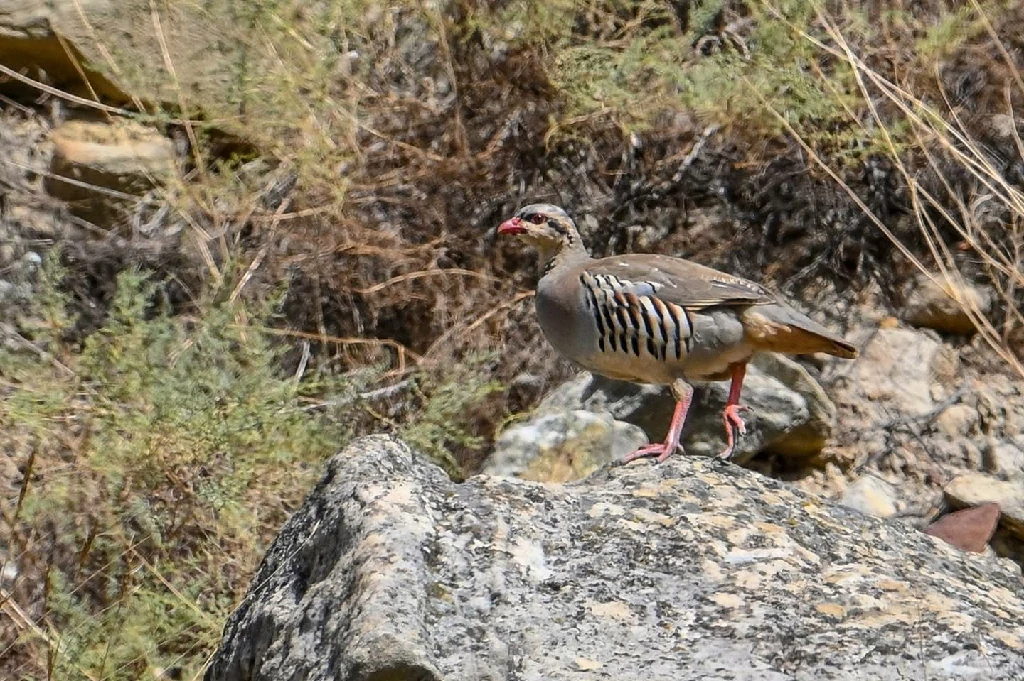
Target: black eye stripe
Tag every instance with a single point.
(541, 218)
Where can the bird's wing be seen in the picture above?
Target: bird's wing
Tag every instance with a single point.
(675, 281)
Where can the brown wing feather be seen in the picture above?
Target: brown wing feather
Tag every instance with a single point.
(679, 281)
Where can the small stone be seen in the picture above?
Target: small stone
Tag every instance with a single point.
(969, 529)
(957, 420)
(96, 165)
(889, 323)
(975, 489)
(871, 496)
(970, 453)
(1003, 125)
(802, 440)
(941, 305)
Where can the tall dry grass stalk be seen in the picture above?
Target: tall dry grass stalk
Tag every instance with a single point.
(942, 140)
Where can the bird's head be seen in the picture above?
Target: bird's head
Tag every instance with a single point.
(547, 228)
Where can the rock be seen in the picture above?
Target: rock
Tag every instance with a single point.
(957, 420)
(95, 166)
(685, 570)
(975, 489)
(1006, 458)
(807, 439)
(562, 445)
(895, 374)
(935, 306)
(788, 412)
(30, 43)
(888, 398)
(969, 529)
(871, 495)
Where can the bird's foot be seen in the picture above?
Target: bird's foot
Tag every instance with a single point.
(662, 450)
(734, 428)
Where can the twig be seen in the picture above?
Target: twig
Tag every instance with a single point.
(447, 335)
(378, 394)
(43, 354)
(927, 417)
(253, 266)
(102, 50)
(11, 73)
(698, 147)
(402, 351)
(20, 617)
(17, 105)
(303, 362)
(424, 273)
(169, 64)
(77, 183)
(911, 425)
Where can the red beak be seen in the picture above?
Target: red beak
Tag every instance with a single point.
(511, 226)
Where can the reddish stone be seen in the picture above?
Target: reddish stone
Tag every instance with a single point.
(969, 529)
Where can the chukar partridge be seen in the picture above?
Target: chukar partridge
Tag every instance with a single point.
(657, 319)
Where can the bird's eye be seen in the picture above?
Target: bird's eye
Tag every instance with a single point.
(536, 218)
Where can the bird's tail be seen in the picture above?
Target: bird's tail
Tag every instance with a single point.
(780, 328)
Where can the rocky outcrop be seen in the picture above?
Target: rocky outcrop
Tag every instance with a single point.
(788, 414)
(690, 569)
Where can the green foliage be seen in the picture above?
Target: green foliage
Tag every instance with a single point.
(640, 74)
(163, 466)
(167, 452)
(949, 33)
(449, 406)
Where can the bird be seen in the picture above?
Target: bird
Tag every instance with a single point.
(658, 319)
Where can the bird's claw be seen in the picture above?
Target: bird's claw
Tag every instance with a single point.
(732, 417)
(734, 428)
(661, 450)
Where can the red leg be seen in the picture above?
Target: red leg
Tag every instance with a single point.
(731, 414)
(683, 393)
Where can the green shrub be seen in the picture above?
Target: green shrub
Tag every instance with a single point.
(161, 458)
(162, 466)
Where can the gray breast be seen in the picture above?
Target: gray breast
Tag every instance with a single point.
(562, 314)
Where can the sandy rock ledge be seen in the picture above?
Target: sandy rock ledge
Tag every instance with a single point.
(687, 570)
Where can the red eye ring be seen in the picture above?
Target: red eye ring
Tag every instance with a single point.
(537, 218)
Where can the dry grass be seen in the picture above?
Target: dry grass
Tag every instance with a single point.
(326, 255)
(966, 206)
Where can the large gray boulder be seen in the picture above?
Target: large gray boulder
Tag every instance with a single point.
(690, 569)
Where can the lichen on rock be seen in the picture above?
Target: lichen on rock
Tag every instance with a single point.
(690, 569)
